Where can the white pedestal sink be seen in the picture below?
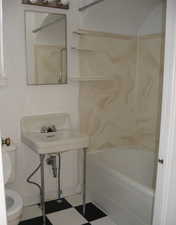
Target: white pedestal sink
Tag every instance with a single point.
(62, 138)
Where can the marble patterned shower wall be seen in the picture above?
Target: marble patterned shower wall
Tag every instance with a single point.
(122, 111)
(149, 90)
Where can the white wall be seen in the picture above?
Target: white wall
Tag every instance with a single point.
(118, 16)
(18, 100)
(154, 21)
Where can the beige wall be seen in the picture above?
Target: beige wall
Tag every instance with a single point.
(122, 112)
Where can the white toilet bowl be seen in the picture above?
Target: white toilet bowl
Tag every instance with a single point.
(14, 204)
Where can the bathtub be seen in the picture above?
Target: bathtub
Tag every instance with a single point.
(121, 183)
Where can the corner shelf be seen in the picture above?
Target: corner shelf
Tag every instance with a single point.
(76, 48)
(82, 32)
(47, 4)
(82, 49)
(92, 78)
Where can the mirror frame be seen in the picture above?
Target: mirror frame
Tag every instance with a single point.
(39, 9)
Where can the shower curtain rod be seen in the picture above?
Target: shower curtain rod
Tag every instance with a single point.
(47, 25)
(89, 5)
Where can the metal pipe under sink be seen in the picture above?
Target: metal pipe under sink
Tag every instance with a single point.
(52, 160)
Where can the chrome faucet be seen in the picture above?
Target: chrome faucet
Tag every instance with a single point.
(48, 129)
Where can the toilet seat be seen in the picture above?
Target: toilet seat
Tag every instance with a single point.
(14, 204)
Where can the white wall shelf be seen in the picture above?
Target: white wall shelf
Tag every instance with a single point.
(92, 78)
(85, 5)
(82, 49)
(76, 51)
(81, 32)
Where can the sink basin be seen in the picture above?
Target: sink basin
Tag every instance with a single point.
(64, 139)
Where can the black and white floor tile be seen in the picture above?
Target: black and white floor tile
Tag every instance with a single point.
(68, 212)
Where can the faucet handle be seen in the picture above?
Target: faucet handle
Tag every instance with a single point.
(43, 129)
(53, 127)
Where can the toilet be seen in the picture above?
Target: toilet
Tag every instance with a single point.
(14, 202)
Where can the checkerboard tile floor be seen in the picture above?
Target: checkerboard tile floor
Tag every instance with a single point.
(68, 212)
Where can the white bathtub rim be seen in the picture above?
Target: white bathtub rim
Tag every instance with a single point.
(149, 191)
(94, 151)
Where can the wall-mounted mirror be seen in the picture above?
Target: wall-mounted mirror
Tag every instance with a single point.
(46, 50)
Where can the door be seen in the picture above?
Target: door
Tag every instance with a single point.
(165, 197)
(2, 193)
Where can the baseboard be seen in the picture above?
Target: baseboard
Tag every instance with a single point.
(51, 195)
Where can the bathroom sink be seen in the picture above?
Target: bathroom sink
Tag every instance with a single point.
(59, 141)
(63, 139)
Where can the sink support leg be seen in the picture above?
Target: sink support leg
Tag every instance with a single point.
(59, 179)
(84, 182)
(42, 197)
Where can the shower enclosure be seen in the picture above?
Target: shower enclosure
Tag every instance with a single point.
(121, 69)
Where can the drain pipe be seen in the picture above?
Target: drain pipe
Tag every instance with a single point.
(52, 161)
(31, 175)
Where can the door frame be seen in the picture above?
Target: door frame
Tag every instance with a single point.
(168, 122)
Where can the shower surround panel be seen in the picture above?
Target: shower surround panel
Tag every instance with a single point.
(123, 112)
